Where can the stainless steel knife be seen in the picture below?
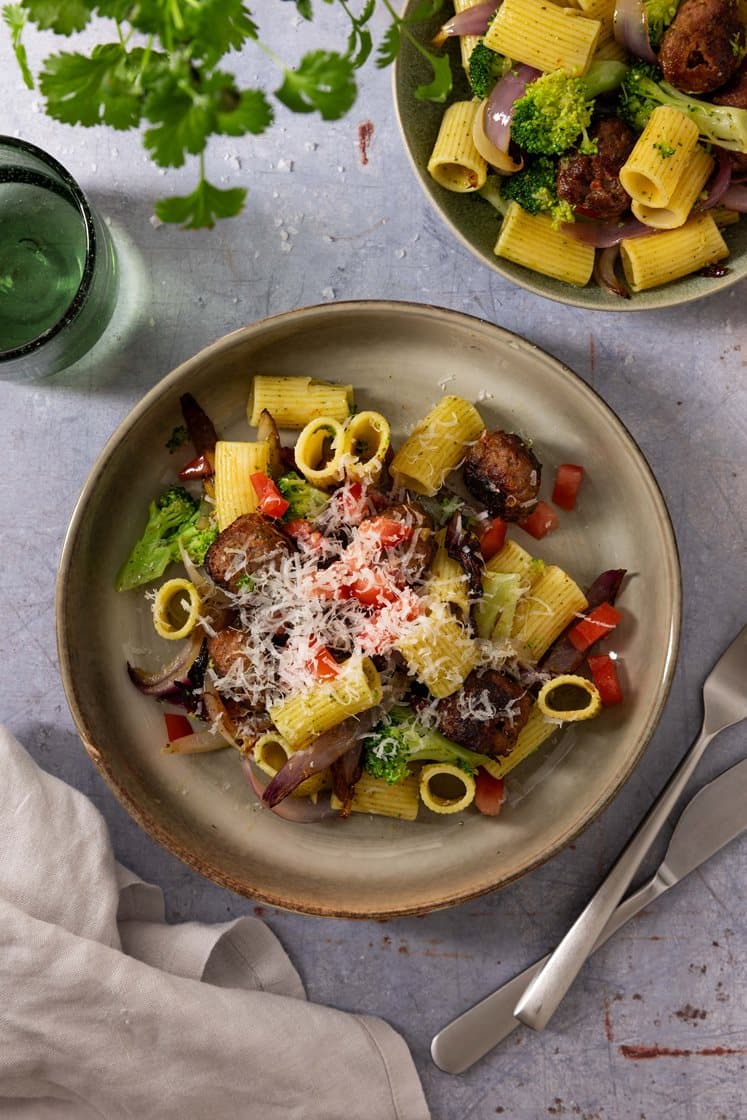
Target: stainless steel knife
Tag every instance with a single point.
(716, 815)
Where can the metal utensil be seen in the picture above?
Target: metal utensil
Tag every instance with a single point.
(716, 815)
(724, 704)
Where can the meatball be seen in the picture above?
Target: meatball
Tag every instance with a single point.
(735, 93)
(491, 694)
(591, 183)
(226, 648)
(249, 543)
(503, 473)
(700, 50)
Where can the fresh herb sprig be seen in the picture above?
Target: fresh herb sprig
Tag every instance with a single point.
(163, 70)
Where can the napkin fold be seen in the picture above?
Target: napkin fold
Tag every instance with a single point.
(107, 1011)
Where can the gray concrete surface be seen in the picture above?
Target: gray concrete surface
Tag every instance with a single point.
(656, 1026)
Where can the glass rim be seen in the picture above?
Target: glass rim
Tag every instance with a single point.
(86, 281)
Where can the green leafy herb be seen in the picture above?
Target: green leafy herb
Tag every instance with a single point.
(177, 439)
(665, 150)
(161, 70)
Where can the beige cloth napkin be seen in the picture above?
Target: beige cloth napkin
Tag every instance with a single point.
(107, 1012)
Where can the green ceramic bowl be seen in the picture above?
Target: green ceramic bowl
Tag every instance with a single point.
(476, 224)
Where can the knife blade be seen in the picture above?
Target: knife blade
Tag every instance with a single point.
(715, 816)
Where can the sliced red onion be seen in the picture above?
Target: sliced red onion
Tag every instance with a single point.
(302, 810)
(472, 21)
(499, 106)
(167, 681)
(604, 272)
(325, 750)
(720, 181)
(735, 198)
(631, 29)
(602, 235)
(216, 712)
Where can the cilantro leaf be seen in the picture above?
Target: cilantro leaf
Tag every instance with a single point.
(95, 89)
(250, 111)
(212, 28)
(423, 11)
(200, 209)
(304, 9)
(440, 87)
(323, 80)
(389, 46)
(183, 120)
(52, 15)
(15, 17)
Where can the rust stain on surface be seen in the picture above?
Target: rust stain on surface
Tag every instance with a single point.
(608, 1031)
(365, 134)
(644, 1053)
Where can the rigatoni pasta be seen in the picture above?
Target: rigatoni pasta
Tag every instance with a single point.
(660, 157)
(304, 716)
(455, 162)
(694, 175)
(235, 463)
(651, 261)
(532, 240)
(543, 35)
(437, 445)
(293, 401)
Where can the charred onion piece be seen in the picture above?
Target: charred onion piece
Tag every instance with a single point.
(471, 21)
(267, 432)
(199, 425)
(345, 772)
(604, 272)
(299, 809)
(463, 546)
(325, 750)
(172, 677)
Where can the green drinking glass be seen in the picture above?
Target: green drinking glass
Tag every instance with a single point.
(58, 267)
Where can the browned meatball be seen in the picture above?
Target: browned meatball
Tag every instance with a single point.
(225, 649)
(591, 183)
(249, 543)
(735, 93)
(489, 690)
(503, 473)
(701, 48)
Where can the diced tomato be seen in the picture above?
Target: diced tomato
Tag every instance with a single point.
(201, 467)
(370, 592)
(322, 664)
(604, 674)
(176, 726)
(492, 536)
(271, 501)
(301, 530)
(386, 531)
(490, 793)
(542, 520)
(568, 478)
(599, 622)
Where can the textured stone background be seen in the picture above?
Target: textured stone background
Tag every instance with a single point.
(656, 1026)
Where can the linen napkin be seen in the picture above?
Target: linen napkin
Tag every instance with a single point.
(106, 1011)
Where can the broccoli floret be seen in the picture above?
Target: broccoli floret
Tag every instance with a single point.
(643, 89)
(171, 517)
(556, 109)
(534, 188)
(484, 69)
(659, 15)
(305, 500)
(399, 740)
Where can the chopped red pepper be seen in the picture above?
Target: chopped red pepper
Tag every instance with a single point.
(369, 589)
(492, 536)
(604, 674)
(568, 478)
(490, 793)
(542, 520)
(599, 622)
(322, 664)
(271, 501)
(301, 530)
(177, 727)
(387, 532)
(201, 467)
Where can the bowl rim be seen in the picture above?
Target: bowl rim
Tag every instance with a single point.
(146, 820)
(662, 301)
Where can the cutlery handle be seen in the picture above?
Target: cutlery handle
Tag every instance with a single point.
(469, 1037)
(539, 1002)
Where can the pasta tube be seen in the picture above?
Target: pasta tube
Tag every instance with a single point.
(544, 613)
(660, 156)
(436, 446)
(377, 796)
(438, 650)
(651, 261)
(467, 43)
(365, 444)
(302, 717)
(573, 690)
(513, 558)
(443, 803)
(543, 35)
(447, 580)
(455, 162)
(271, 752)
(319, 452)
(235, 463)
(176, 609)
(688, 187)
(293, 401)
(530, 239)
